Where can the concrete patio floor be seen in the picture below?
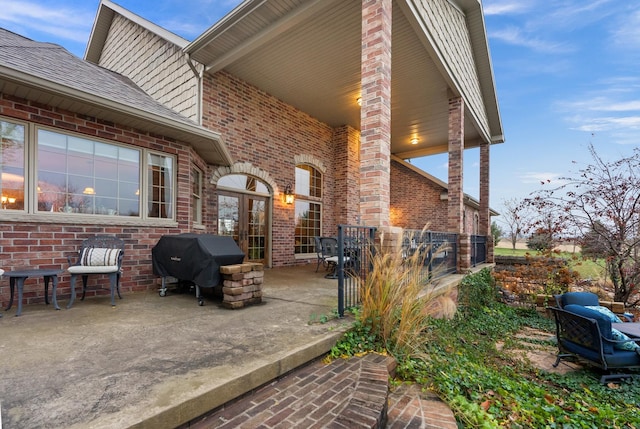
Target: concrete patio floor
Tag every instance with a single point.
(157, 362)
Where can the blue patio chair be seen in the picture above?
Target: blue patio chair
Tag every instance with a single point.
(584, 299)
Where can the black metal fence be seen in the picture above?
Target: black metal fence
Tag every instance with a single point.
(356, 246)
(439, 250)
(478, 249)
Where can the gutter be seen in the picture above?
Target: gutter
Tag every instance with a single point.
(192, 129)
(199, 77)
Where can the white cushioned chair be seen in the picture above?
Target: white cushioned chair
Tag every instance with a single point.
(101, 254)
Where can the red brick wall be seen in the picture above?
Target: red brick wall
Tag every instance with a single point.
(41, 242)
(347, 175)
(262, 130)
(415, 201)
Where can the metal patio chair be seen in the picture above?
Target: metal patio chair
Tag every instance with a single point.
(101, 254)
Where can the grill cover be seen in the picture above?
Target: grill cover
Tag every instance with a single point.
(195, 257)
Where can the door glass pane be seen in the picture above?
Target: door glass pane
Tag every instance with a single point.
(229, 216)
(256, 229)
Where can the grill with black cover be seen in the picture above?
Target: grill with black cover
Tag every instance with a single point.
(194, 257)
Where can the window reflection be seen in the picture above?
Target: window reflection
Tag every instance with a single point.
(243, 182)
(160, 184)
(12, 166)
(78, 175)
(308, 208)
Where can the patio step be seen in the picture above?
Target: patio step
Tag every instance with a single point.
(351, 393)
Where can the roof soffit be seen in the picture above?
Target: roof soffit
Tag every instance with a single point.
(308, 55)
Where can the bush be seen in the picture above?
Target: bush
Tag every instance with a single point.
(397, 302)
(487, 387)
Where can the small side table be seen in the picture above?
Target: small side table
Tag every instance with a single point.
(19, 276)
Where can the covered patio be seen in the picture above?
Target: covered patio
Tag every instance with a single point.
(156, 361)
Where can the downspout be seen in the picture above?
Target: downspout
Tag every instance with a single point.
(199, 76)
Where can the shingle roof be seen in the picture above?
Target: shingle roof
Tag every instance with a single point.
(47, 73)
(54, 63)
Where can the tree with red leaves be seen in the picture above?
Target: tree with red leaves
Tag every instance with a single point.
(600, 203)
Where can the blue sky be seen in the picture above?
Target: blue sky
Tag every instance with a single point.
(567, 74)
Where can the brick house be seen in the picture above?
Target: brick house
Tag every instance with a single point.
(281, 121)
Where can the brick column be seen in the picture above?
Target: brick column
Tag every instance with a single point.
(347, 172)
(375, 114)
(455, 209)
(485, 218)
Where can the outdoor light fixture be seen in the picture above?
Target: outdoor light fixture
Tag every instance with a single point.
(414, 140)
(89, 191)
(288, 195)
(359, 101)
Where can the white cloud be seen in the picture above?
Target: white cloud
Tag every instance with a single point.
(67, 22)
(516, 36)
(627, 30)
(494, 7)
(602, 104)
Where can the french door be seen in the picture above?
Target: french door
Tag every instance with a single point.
(245, 218)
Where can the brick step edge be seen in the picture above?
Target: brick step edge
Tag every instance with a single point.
(367, 406)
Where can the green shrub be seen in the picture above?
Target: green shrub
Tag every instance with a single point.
(477, 291)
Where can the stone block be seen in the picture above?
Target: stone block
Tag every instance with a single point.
(250, 288)
(231, 283)
(240, 297)
(234, 276)
(233, 305)
(231, 269)
(232, 291)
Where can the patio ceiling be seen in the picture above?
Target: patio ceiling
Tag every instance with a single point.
(307, 53)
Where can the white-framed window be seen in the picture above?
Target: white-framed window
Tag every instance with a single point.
(72, 174)
(12, 165)
(196, 195)
(308, 206)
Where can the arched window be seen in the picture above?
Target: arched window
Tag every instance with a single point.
(242, 182)
(308, 208)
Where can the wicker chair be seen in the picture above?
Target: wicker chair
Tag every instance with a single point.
(101, 254)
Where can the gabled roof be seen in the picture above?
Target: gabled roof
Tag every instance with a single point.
(308, 52)
(102, 24)
(49, 74)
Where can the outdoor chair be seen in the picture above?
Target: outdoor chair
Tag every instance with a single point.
(585, 299)
(327, 250)
(587, 335)
(101, 254)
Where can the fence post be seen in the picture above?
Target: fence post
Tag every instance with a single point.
(340, 271)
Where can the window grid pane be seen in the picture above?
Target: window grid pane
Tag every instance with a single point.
(160, 186)
(308, 217)
(12, 181)
(78, 175)
(196, 195)
(308, 181)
